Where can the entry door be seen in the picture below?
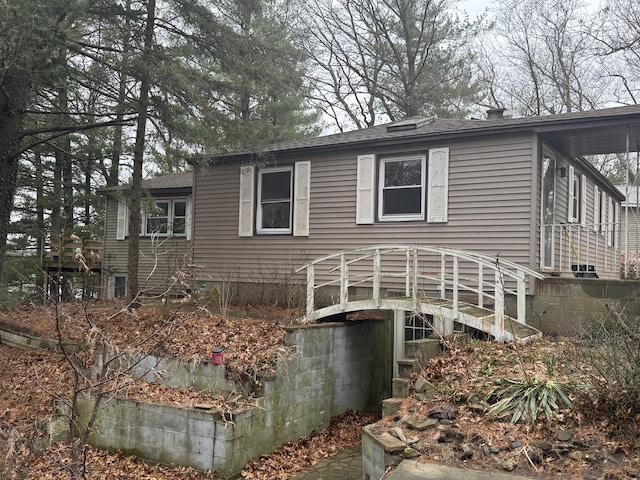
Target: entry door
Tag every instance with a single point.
(548, 208)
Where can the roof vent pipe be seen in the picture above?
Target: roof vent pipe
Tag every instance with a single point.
(496, 113)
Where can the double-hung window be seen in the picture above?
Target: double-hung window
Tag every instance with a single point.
(274, 212)
(402, 187)
(577, 197)
(166, 217)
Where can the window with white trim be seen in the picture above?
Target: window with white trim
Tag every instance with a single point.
(274, 212)
(166, 218)
(402, 188)
(577, 198)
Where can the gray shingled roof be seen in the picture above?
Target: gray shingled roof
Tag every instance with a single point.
(445, 127)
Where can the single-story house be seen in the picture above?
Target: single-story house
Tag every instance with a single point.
(517, 188)
(165, 234)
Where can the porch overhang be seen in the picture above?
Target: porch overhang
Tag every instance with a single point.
(594, 137)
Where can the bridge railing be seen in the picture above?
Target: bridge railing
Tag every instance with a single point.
(417, 270)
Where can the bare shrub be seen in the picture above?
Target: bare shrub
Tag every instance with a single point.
(608, 354)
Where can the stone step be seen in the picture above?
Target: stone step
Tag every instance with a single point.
(406, 366)
(400, 387)
(390, 406)
(422, 349)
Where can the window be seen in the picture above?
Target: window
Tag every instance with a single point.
(274, 200)
(577, 197)
(120, 287)
(401, 194)
(167, 217)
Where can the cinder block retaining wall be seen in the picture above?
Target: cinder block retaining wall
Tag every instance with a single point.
(337, 367)
(202, 375)
(561, 306)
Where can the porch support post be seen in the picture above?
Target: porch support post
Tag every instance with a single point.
(626, 208)
(398, 339)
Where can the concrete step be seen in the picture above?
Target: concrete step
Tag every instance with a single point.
(423, 349)
(390, 406)
(400, 387)
(406, 366)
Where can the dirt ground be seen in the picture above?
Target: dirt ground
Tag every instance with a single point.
(30, 379)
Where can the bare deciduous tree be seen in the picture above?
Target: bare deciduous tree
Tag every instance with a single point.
(389, 59)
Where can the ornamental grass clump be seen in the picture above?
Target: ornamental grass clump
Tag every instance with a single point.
(526, 399)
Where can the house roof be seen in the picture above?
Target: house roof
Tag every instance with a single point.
(170, 181)
(574, 134)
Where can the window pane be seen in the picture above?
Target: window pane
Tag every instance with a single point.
(275, 215)
(158, 218)
(403, 172)
(180, 209)
(402, 201)
(276, 186)
(156, 225)
(179, 226)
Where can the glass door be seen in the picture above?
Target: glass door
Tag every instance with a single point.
(547, 224)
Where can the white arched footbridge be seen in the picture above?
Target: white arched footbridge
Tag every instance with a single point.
(448, 284)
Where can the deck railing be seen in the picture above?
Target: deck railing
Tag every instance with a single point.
(79, 254)
(416, 270)
(581, 249)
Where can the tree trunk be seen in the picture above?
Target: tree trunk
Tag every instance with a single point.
(14, 93)
(138, 156)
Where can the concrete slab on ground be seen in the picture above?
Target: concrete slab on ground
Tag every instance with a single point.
(346, 465)
(412, 470)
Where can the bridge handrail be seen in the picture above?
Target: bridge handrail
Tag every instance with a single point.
(502, 268)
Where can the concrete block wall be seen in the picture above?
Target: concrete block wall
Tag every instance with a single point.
(337, 366)
(562, 306)
(201, 375)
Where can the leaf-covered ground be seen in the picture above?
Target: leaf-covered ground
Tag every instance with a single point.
(29, 380)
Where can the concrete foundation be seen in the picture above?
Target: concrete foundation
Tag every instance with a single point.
(561, 306)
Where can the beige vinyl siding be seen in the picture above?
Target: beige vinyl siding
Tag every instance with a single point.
(163, 259)
(634, 227)
(489, 211)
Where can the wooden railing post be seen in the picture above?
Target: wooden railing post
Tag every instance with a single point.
(407, 271)
(443, 276)
(310, 290)
(376, 277)
(498, 325)
(455, 288)
(521, 291)
(344, 282)
(414, 280)
(480, 286)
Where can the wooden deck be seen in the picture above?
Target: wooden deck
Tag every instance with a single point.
(72, 255)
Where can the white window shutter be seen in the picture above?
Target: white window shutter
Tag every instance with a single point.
(365, 189)
(596, 208)
(583, 199)
(122, 220)
(302, 187)
(571, 215)
(188, 224)
(438, 185)
(245, 218)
